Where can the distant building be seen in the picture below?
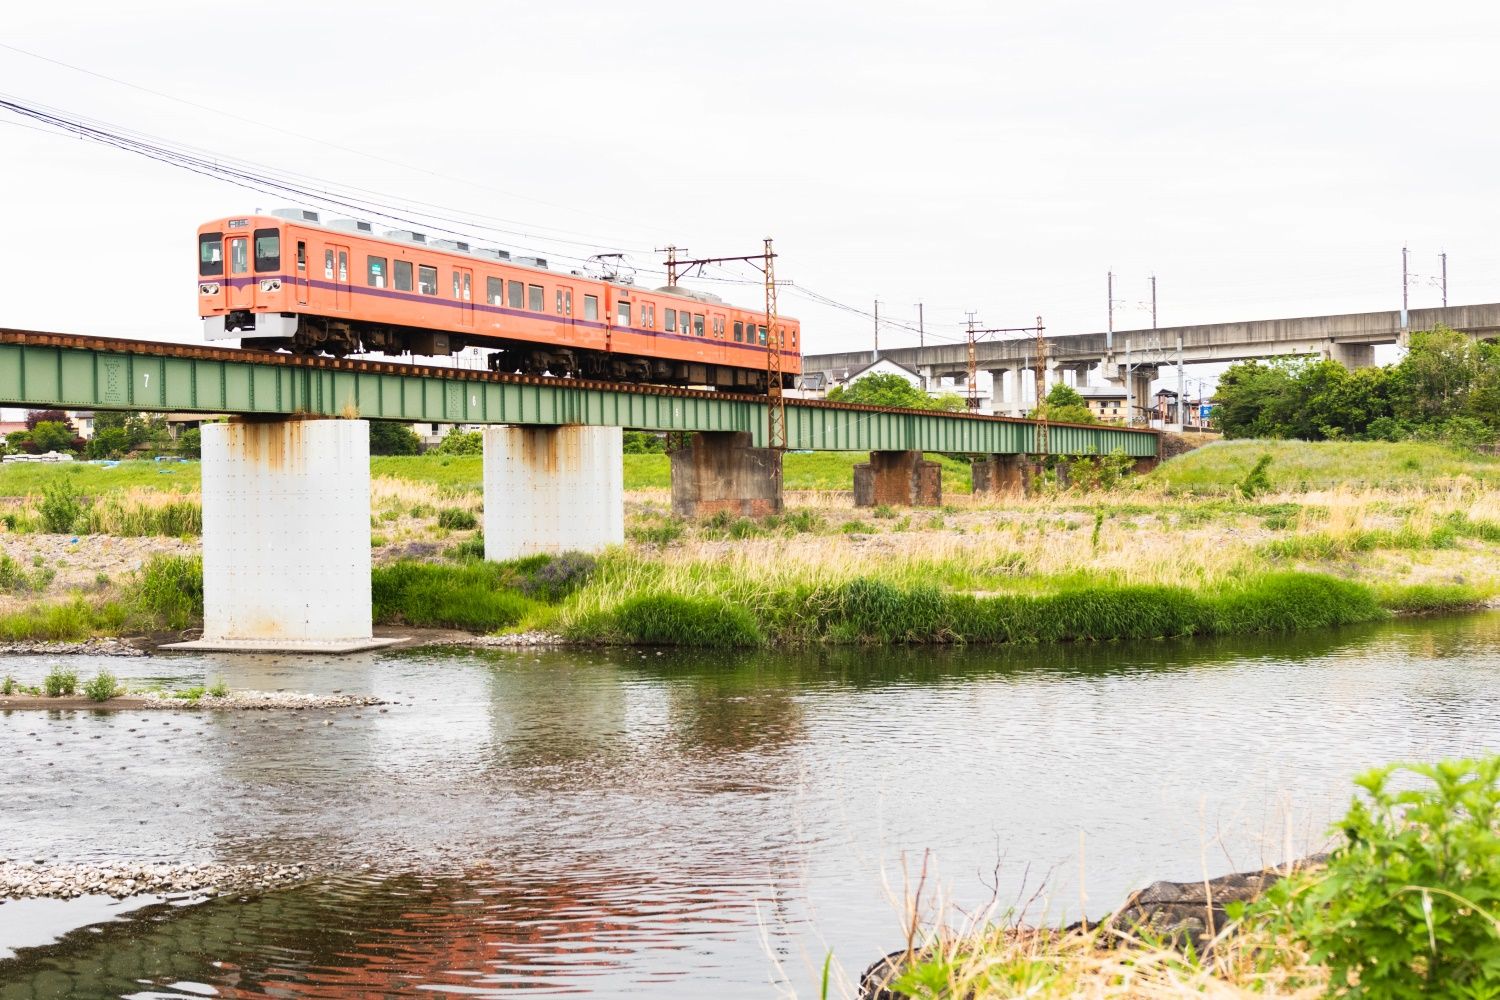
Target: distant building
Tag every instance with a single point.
(1106, 402)
(881, 366)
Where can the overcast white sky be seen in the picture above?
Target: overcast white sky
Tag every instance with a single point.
(1263, 159)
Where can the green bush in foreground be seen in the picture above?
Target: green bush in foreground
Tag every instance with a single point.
(671, 620)
(60, 682)
(1407, 905)
(103, 686)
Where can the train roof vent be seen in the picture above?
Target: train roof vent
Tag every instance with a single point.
(297, 214)
(405, 236)
(458, 245)
(492, 253)
(353, 225)
(540, 262)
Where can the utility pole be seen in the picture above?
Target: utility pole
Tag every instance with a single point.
(1181, 385)
(1109, 336)
(671, 252)
(1153, 302)
(971, 384)
(1444, 256)
(877, 329)
(922, 327)
(1043, 445)
(1403, 286)
(775, 402)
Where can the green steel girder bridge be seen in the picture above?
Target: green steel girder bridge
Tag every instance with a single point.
(286, 497)
(39, 369)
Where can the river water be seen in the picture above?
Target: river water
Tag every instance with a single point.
(659, 824)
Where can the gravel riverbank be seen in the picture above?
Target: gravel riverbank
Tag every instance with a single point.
(38, 878)
(293, 701)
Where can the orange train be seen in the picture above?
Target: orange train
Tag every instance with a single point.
(287, 281)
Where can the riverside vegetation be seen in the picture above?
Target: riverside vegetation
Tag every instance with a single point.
(1406, 906)
(1320, 535)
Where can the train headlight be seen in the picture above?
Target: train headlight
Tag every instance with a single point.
(270, 284)
(209, 288)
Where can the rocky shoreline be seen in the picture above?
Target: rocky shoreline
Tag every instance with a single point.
(293, 701)
(1185, 913)
(100, 646)
(42, 880)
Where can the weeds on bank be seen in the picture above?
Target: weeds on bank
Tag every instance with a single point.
(102, 687)
(475, 595)
(1404, 907)
(164, 594)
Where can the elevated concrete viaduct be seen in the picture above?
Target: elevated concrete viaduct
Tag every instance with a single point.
(1348, 338)
(286, 483)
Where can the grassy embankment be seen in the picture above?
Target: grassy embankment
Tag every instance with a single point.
(1179, 552)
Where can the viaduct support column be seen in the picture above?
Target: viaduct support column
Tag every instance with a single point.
(552, 489)
(898, 478)
(720, 470)
(286, 536)
(1001, 475)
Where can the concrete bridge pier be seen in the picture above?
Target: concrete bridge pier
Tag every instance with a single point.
(899, 479)
(551, 489)
(1002, 475)
(1350, 355)
(721, 471)
(286, 536)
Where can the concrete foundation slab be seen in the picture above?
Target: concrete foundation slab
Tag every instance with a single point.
(286, 533)
(552, 489)
(282, 646)
(720, 471)
(899, 479)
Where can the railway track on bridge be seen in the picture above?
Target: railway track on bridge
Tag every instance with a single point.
(200, 352)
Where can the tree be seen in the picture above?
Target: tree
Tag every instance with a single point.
(644, 443)
(1250, 398)
(391, 437)
(52, 435)
(457, 442)
(883, 389)
(46, 416)
(191, 442)
(111, 442)
(1066, 404)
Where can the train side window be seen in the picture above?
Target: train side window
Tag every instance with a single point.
(301, 255)
(650, 309)
(739, 331)
(211, 254)
(697, 324)
(375, 272)
(427, 279)
(494, 290)
(591, 307)
(568, 303)
(456, 286)
(344, 266)
(239, 256)
(671, 324)
(762, 334)
(468, 287)
(536, 298)
(267, 250)
(559, 302)
(516, 292)
(622, 311)
(403, 275)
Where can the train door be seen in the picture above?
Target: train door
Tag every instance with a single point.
(300, 279)
(463, 292)
(238, 280)
(336, 272)
(564, 307)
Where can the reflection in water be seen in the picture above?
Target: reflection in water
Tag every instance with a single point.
(675, 825)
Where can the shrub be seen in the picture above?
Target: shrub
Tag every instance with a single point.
(1256, 481)
(672, 620)
(8, 685)
(218, 689)
(103, 686)
(474, 595)
(167, 593)
(557, 578)
(468, 550)
(461, 443)
(59, 682)
(1407, 904)
(60, 508)
(457, 519)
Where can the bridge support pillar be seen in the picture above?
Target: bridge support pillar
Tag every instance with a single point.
(1002, 475)
(898, 478)
(1350, 355)
(286, 537)
(719, 470)
(552, 489)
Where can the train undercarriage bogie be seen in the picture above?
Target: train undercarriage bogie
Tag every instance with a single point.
(324, 335)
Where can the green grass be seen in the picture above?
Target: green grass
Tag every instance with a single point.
(1218, 467)
(21, 479)
(166, 593)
